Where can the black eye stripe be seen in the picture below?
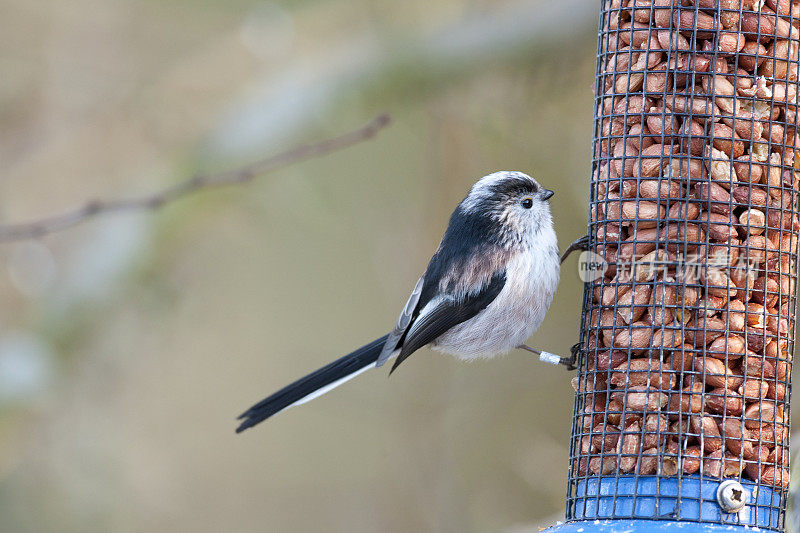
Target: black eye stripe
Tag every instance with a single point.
(515, 187)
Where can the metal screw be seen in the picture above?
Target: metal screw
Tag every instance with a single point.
(732, 496)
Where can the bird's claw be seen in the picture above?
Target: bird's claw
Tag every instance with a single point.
(572, 361)
(579, 244)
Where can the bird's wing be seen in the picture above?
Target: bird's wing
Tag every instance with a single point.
(446, 312)
(403, 322)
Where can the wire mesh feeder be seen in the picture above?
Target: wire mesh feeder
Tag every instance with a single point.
(687, 335)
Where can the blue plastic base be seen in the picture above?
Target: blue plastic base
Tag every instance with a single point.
(641, 526)
(654, 503)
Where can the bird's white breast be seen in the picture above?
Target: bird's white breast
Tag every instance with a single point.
(531, 279)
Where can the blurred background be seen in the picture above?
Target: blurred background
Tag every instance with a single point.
(129, 344)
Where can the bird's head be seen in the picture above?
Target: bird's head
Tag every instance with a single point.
(515, 201)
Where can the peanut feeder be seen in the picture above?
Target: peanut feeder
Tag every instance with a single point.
(687, 336)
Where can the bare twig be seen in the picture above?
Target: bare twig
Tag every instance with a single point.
(245, 174)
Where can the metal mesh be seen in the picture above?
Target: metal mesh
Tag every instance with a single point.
(687, 334)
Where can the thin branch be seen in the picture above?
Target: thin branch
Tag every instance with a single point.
(51, 224)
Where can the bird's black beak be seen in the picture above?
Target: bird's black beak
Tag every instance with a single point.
(547, 194)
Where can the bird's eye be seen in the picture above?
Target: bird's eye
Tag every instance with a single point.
(527, 203)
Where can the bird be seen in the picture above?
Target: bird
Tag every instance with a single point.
(485, 291)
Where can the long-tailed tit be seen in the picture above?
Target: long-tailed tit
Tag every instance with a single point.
(485, 291)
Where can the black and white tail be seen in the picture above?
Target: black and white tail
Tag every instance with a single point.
(315, 384)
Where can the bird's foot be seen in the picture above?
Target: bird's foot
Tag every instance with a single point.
(547, 357)
(571, 362)
(580, 244)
